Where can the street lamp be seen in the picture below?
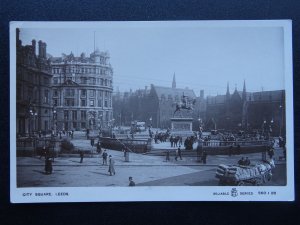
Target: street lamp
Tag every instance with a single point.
(54, 118)
(150, 122)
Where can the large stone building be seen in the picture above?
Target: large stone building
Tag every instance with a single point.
(82, 91)
(244, 110)
(33, 77)
(156, 105)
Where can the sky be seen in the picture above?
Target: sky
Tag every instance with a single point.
(202, 57)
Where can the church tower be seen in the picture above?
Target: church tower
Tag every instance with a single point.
(174, 82)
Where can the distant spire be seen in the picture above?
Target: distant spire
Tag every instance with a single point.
(227, 92)
(244, 91)
(174, 82)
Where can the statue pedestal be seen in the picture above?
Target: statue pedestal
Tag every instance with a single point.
(182, 125)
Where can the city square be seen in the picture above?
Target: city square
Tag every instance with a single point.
(79, 123)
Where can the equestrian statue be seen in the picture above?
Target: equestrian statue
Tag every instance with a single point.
(185, 103)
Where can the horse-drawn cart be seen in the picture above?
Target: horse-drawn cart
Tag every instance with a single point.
(240, 175)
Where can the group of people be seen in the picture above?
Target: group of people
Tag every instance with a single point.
(177, 154)
(175, 141)
(244, 161)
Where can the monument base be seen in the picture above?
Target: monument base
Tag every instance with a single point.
(182, 126)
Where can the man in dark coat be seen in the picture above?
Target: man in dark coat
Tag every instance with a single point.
(81, 156)
(131, 182)
(179, 152)
(104, 156)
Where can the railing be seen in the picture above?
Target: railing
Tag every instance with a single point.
(215, 143)
(134, 145)
(35, 146)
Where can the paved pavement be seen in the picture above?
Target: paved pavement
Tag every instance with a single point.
(145, 169)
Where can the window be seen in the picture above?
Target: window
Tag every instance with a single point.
(70, 92)
(66, 114)
(83, 80)
(105, 82)
(74, 125)
(46, 80)
(55, 93)
(55, 80)
(83, 93)
(105, 103)
(83, 102)
(99, 93)
(99, 102)
(69, 102)
(83, 115)
(55, 102)
(92, 102)
(83, 125)
(101, 81)
(74, 115)
(106, 94)
(46, 96)
(92, 93)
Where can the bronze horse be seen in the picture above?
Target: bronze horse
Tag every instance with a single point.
(184, 104)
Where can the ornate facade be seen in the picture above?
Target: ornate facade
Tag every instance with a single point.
(82, 91)
(33, 77)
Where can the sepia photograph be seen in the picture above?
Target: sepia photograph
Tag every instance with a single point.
(147, 111)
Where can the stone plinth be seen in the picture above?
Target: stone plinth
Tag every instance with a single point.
(181, 124)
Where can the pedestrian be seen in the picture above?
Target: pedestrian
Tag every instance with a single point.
(131, 182)
(104, 157)
(271, 152)
(111, 168)
(81, 156)
(99, 147)
(92, 142)
(204, 156)
(247, 162)
(179, 152)
(48, 166)
(176, 154)
(168, 155)
(241, 162)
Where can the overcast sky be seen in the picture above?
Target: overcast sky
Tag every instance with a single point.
(201, 57)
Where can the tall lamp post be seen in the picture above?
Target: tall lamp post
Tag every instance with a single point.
(32, 114)
(150, 119)
(54, 119)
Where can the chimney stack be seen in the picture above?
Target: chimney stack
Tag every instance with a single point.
(19, 42)
(34, 46)
(40, 49)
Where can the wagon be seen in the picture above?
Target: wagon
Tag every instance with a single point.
(234, 175)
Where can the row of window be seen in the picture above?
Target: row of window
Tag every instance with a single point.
(85, 80)
(83, 70)
(34, 78)
(84, 115)
(84, 103)
(83, 93)
(32, 93)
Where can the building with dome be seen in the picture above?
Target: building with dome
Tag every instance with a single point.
(82, 91)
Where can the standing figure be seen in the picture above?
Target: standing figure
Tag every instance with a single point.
(131, 182)
(81, 156)
(104, 157)
(179, 152)
(111, 168)
(48, 166)
(168, 155)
